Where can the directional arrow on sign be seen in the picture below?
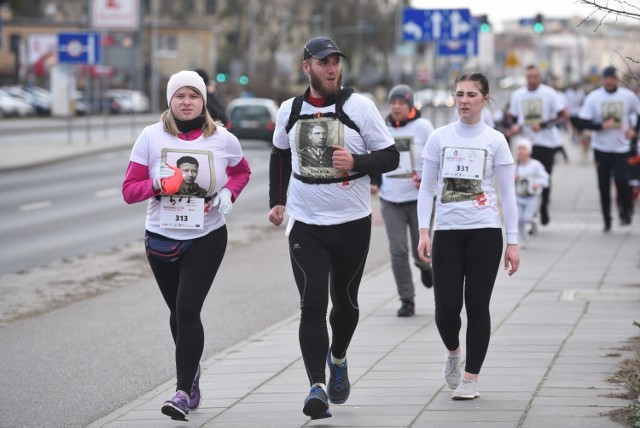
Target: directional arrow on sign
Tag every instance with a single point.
(432, 25)
(459, 26)
(413, 30)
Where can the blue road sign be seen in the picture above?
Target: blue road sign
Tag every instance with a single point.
(465, 48)
(432, 25)
(79, 48)
(526, 22)
(458, 48)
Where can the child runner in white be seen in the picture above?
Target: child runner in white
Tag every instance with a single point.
(531, 178)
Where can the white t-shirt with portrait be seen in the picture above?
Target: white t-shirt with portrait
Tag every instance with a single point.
(398, 185)
(538, 106)
(466, 157)
(333, 203)
(600, 105)
(214, 154)
(529, 174)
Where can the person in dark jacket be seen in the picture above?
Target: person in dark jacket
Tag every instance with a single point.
(215, 107)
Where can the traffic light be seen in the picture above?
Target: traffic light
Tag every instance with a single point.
(538, 23)
(243, 80)
(222, 77)
(485, 26)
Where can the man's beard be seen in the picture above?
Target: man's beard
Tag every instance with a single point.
(327, 88)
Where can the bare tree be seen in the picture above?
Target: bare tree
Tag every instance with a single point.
(612, 9)
(615, 9)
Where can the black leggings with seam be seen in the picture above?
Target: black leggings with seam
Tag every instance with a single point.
(465, 265)
(328, 260)
(184, 285)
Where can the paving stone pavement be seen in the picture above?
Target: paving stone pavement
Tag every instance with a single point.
(559, 329)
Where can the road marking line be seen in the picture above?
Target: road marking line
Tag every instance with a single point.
(106, 193)
(35, 206)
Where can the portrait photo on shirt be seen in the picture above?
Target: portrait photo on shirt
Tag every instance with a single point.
(524, 186)
(460, 189)
(532, 111)
(462, 172)
(198, 171)
(613, 110)
(314, 140)
(407, 158)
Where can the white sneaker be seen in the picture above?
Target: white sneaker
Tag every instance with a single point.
(468, 390)
(452, 373)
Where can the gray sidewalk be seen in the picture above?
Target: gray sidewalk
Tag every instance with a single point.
(559, 329)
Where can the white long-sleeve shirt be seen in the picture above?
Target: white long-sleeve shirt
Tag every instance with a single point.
(460, 164)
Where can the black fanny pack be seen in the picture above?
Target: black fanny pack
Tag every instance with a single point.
(165, 249)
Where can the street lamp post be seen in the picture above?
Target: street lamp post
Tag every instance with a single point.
(215, 33)
(154, 53)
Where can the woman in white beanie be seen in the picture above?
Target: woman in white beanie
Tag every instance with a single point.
(184, 166)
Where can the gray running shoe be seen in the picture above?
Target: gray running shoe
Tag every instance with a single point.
(468, 390)
(452, 373)
(338, 388)
(316, 405)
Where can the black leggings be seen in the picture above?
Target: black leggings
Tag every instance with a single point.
(465, 265)
(546, 156)
(328, 259)
(184, 284)
(616, 165)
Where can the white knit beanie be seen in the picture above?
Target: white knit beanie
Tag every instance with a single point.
(524, 142)
(185, 78)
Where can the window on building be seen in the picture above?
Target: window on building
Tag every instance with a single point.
(167, 45)
(210, 7)
(167, 6)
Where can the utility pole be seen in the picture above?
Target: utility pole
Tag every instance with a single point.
(252, 40)
(154, 52)
(215, 34)
(326, 22)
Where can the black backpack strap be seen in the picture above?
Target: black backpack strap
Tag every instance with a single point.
(343, 96)
(296, 106)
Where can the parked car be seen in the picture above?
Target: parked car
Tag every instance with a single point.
(81, 108)
(126, 101)
(39, 100)
(12, 106)
(443, 98)
(252, 118)
(434, 98)
(94, 106)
